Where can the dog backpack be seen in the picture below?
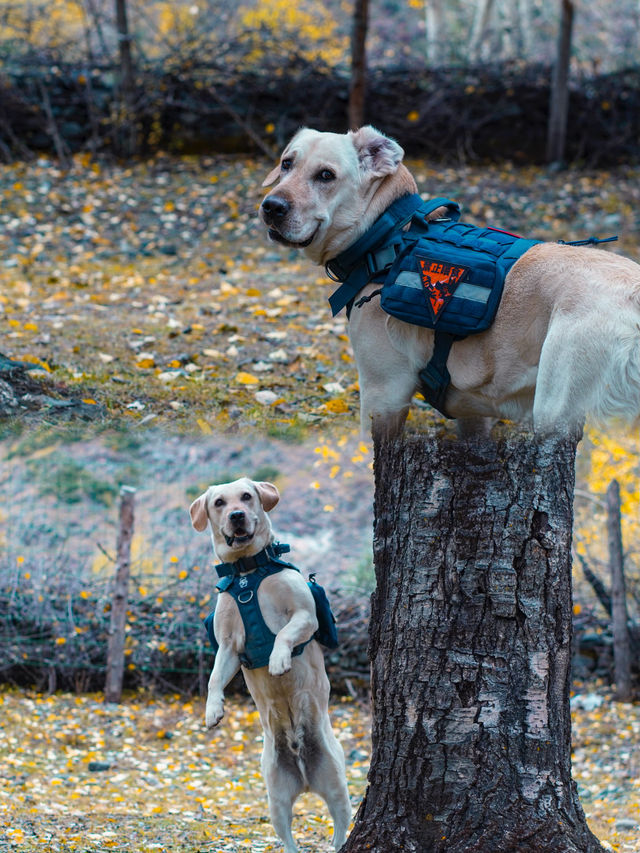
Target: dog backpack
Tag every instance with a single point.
(327, 633)
(441, 274)
(242, 579)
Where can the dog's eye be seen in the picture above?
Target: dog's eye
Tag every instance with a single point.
(325, 176)
(247, 496)
(219, 502)
(286, 164)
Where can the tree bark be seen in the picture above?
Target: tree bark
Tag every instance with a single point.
(559, 106)
(619, 614)
(119, 601)
(470, 647)
(126, 83)
(479, 49)
(434, 25)
(358, 83)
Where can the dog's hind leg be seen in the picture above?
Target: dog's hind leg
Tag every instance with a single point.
(574, 361)
(326, 777)
(284, 783)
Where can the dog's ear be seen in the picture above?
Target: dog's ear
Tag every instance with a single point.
(273, 176)
(378, 154)
(268, 494)
(198, 513)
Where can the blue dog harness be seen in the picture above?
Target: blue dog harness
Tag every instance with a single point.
(241, 580)
(444, 275)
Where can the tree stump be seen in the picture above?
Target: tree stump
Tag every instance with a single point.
(470, 647)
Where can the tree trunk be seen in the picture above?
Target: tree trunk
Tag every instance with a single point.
(470, 646)
(434, 25)
(358, 83)
(619, 614)
(478, 42)
(126, 116)
(559, 106)
(119, 601)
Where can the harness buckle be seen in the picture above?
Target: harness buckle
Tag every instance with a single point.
(330, 273)
(381, 260)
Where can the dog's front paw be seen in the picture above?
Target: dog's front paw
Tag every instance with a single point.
(280, 661)
(214, 713)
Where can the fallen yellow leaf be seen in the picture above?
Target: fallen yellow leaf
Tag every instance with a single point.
(246, 378)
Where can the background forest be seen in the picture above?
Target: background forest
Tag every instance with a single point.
(451, 79)
(154, 339)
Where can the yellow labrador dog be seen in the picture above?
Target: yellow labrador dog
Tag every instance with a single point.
(291, 692)
(565, 342)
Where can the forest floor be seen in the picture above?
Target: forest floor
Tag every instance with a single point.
(79, 775)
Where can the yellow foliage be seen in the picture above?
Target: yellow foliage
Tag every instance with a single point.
(609, 456)
(175, 23)
(311, 29)
(43, 23)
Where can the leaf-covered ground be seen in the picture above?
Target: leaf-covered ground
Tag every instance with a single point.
(152, 289)
(147, 776)
(79, 775)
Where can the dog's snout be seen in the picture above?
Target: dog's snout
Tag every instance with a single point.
(275, 207)
(237, 516)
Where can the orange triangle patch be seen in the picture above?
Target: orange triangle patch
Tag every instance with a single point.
(440, 281)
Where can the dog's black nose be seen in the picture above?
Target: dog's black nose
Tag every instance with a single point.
(236, 517)
(275, 208)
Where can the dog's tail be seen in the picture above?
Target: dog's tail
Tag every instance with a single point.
(298, 748)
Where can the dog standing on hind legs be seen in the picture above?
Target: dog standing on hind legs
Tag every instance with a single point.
(284, 669)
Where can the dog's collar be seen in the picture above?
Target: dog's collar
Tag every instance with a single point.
(270, 554)
(374, 252)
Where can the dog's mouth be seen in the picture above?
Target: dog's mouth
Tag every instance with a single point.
(238, 537)
(277, 237)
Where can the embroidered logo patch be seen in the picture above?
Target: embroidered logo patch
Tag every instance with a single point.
(440, 281)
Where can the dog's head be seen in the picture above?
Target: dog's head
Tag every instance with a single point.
(331, 188)
(237, 513)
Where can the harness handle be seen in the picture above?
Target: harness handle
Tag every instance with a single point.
(433, 204)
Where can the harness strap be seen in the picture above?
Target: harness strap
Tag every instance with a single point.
(373, 254)
(435, 377)
(268, 555)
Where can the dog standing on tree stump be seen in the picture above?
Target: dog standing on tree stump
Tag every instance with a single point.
(564, 334)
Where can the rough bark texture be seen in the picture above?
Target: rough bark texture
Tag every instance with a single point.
(471, 649)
